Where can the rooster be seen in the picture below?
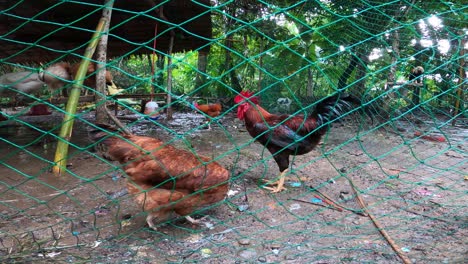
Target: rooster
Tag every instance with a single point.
(285, 135)
(211, 110)
(163, 179)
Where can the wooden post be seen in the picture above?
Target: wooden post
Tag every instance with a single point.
(101, 87)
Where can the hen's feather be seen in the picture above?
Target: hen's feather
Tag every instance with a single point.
(212, 110)
(162, 177)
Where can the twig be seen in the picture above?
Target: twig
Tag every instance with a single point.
(377, 224)
(329, 207)
(116, 121)
(330, 201)
(335, 204)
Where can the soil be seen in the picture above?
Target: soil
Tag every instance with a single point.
(414, 186)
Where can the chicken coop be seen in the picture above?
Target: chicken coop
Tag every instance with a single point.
(199, 131)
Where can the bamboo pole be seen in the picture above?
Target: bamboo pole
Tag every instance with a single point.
(61, 152)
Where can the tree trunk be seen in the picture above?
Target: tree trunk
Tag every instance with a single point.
(169, 79)
(416, 99)
(361, 73)
(201, 67)
(228, 66)
(343, 80)
(160, 64)
(260, 64)
(228, 59)
(310, 82)
(395, 56)
(310, 79)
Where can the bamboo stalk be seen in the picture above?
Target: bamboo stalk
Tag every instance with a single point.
(61, 152)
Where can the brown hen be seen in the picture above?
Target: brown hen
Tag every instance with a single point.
(211, 110)
(164, 180)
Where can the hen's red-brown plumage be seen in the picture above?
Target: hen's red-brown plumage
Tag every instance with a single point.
(164, 180)
(212, 110)
(285, 135)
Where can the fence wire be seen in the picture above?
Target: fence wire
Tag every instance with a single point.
(401, 153)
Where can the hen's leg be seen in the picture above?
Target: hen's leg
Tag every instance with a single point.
(279, 183)
(199, 221)
(149, 220)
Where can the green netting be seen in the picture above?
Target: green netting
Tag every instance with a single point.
(403, 150)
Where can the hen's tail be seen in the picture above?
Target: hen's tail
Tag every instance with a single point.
(333, 107)
(101, 131)
(105, 136)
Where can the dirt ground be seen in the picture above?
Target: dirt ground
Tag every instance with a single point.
(415, 188)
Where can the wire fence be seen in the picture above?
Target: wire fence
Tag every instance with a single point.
(386, 183)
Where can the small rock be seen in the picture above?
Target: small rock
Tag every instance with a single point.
(290, 257)
(205, 252)
(262, 259)
(345, 196)
(244, 241)
(172, 259)
(243, 207)
(295, 206)
(247, 254)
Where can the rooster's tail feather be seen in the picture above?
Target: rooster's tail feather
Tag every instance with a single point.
(333, 107)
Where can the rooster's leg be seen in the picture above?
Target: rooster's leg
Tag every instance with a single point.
(207, 125)
(279, 183)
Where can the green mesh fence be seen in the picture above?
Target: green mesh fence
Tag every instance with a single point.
(402, 152)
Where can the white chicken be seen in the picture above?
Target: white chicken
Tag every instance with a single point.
(18, 84)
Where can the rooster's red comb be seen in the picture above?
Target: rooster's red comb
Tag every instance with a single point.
(245, 94)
